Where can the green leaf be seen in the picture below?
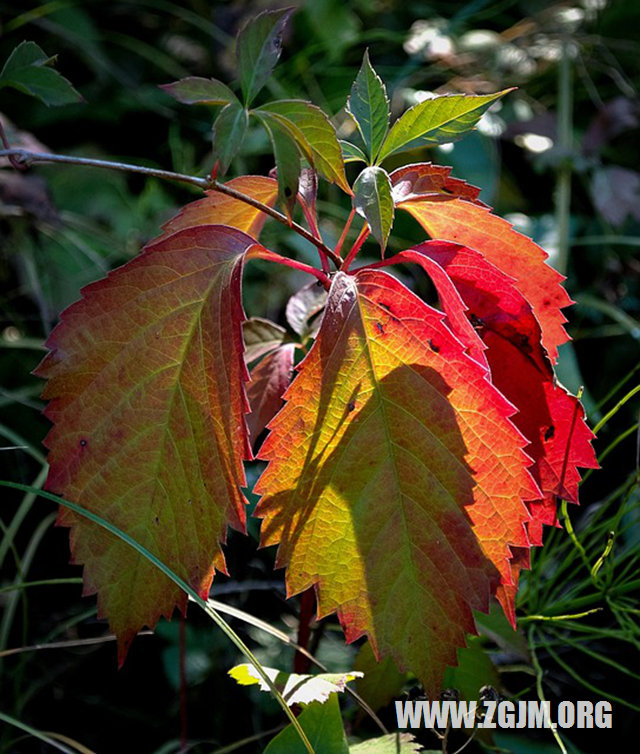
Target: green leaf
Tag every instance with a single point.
(473, 671)
(25, 54)
(323, 725)
(295, 689)
(437, 120)
(288, 167)
(372, 200)
(351, 153)
(28, 71)
(382, 679)
(229, 131)
(403, 743)
(195, 90)
(369, 106)
(313, 133)
(258, 48)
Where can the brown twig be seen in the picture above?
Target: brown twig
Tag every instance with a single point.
(15, 162)
(23, 158)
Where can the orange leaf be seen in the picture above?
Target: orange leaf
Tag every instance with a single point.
(549, 417)
(396, 479)
(453, 216)
(219, 209)
(145, 382)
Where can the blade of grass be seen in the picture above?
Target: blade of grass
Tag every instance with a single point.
(600, 657)
(37, 734)
(43, 582)
(65, 644)
(583, 682)
(9, 534)
(25, 564)
(615, 409)
(213, 614)
(540, 691)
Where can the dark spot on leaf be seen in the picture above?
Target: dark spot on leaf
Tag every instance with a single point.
(83, 443)
(385, 306)
(156, 521)
(550, 432)
(433, 346)
(287, 191)
(351, 405)
(380, 328)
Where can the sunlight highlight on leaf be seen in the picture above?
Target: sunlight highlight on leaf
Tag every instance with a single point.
(146, 394)
(396, 479)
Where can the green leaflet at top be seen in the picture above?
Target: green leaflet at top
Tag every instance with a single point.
(311, 130)
(29, 70)
(369, 106)
(372, 200)
(258, 49)
(228, 134)
(436, 121)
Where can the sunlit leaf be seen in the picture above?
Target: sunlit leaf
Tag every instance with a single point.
(308, 190)
(424, 180)
(351, 153)
(372, 200)
(369, 106)
(313, 133)
(394, 743)
(549, 417)
(220, 209)
(396, 479)
(145, 388)
(258, 49)
(437, 120)
(296, 689)
(456, 218)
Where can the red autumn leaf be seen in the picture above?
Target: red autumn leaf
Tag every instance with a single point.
(549, 417)
(219, 209)
(454, 216)
(268, 381)
(146, 395)
(396, 479)
(422, 180)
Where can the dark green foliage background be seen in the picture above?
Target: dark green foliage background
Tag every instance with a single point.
(67, 226)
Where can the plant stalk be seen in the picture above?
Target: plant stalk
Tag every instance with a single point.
(565, 144)
(21, 158)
